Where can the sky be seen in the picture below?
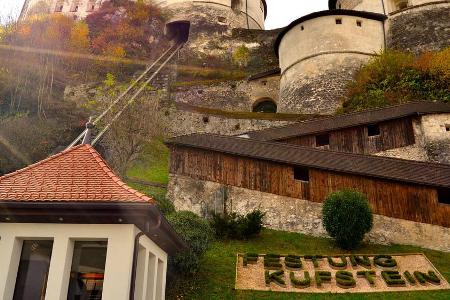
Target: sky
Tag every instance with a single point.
(280, 12)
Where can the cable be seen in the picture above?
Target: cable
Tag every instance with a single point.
(103, 114)
(131, 101)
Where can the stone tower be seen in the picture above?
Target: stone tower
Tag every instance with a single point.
(319, 53)
(233, 13)
(412, 25)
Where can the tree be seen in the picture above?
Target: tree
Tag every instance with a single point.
(139, 125)
(347, 217)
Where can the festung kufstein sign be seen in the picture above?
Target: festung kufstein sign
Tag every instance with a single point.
(337, 274)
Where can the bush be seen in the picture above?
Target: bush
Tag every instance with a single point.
(197, 233)
(233, 226)
(347, 217)
(397, 77)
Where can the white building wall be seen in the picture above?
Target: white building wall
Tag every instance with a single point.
(119, 259)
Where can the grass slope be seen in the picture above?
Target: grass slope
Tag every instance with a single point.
(217, 275)
(153, 165)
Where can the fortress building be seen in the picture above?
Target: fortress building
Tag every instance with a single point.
(301, 69)
(235, 13)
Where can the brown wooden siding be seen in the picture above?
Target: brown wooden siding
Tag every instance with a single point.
(242, 172)
(388, 198)
(393, 134)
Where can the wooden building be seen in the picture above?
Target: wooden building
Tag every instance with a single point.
(367, 132)
(396, 188)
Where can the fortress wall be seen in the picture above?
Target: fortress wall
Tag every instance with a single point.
(420, 28)
(32, 7)
(317, 62)
(191, 10)
(214, 11)
(362, 5)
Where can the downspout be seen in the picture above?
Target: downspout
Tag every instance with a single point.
(246, 13)
(136, 253)
(384, 25)
(134, 266)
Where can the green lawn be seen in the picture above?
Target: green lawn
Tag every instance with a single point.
(217, 275)
(153, 165)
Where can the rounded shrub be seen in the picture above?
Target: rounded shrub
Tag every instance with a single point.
(197, 233)
(347, 217)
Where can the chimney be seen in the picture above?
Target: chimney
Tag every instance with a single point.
(87, 137)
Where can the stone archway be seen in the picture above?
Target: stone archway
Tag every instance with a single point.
(265, 105)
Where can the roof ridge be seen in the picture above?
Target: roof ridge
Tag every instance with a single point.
(293, 146)
(117, 180)
(328, 118)
(36, 164)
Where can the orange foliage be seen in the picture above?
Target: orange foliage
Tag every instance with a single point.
(134, 27)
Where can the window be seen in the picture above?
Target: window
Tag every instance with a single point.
(59, 6)
(339, 21)
(90, 6)
(447, 128)
(444, 196)
(206, 119)
(88, 269)
(359, 23)
(301, 174)
(266, 105)
(32, 275)
(322, 140)
(302, 27)
(373, 130)
(74, 7)
(222, 19)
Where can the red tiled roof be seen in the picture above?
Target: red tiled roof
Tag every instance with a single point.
(76, 175)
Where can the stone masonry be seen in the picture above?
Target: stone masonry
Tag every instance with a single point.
(295, 215)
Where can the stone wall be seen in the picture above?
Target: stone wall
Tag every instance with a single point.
(348, 4)
(185, 122)
(436, 137)
(211, 51)
(295, 215)
(375, 6)
(199, 12)
(318, 85)
(421, 28)
(229, 95)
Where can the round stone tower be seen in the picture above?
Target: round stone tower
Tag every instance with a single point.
(413, 25)
(233, 13)
(319, 53)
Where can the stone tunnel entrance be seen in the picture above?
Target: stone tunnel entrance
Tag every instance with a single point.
(178, 31)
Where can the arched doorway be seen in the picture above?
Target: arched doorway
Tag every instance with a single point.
(265, 105)
(178, 31)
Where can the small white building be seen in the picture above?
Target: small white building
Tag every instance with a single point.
(71, 229)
